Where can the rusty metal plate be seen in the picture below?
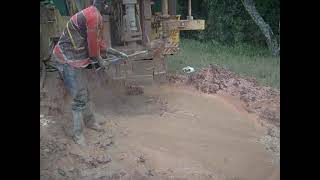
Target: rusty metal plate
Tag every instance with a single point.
(185, 25)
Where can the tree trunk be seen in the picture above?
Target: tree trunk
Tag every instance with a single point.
(271, 39)
(279, 37)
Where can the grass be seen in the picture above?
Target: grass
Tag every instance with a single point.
(245, 60)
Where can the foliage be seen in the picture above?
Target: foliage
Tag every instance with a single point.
(245, 59)
(227, 21)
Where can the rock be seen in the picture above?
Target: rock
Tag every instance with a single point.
(103, 159)
(214, 87)
(274, 132)
(105, 141)
(141, 159)
(271, 115)
(122, 156)
(46, 150)
(61, 172)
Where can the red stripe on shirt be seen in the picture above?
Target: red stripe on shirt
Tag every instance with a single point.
(93, 19)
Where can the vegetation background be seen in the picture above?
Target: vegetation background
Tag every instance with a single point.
(231, 39)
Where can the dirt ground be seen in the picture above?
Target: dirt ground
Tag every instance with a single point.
(263, 101)
(168, 132)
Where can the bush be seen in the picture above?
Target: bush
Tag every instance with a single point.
(227, 21)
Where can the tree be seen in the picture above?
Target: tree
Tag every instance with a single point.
(279, 37)
(271, 39)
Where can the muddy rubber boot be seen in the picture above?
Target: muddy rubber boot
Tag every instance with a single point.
(90, 120)
(77, 128)
(80, 140)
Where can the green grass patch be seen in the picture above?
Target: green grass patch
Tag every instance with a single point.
(243, 59)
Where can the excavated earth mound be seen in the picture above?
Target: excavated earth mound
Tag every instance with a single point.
(264, 101)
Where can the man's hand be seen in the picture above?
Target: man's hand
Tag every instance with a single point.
(98, 63)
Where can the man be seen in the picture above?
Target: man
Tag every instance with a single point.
(78, 49)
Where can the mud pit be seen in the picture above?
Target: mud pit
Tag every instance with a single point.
(165, 133)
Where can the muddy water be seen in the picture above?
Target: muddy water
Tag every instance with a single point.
(166, 133)
(194, 134)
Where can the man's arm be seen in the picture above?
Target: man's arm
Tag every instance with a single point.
(93, 22)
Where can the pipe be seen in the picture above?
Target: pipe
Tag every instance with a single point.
(173, 7)
(106, 29)
(164, 7)
(131, 14)
(189, 10)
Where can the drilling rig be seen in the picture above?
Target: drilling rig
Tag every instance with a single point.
(132, 26)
